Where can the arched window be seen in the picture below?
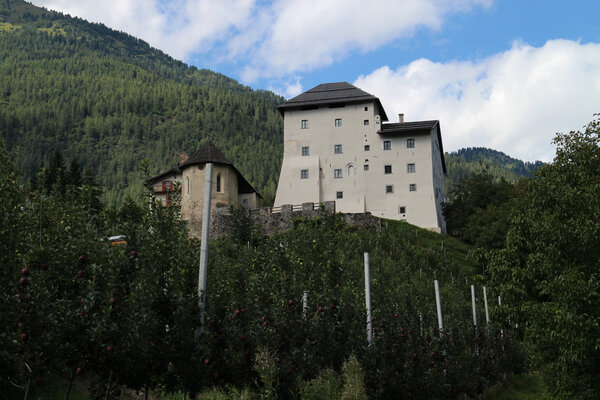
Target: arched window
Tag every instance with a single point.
(187, 184)
(219, 183)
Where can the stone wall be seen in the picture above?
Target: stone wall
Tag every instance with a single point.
(280, 219)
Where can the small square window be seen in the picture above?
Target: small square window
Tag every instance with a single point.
(338, 122)
(412, 187)
(401, 210)
(387, 145)
(389, 188)
(366, 122)
(305, 151)
(366, 108)
(366, 167)
(337, 149)
(410, 143)
(304, 124)
(367, 147)
(410, 168)
(339, 195)
(337, 173)
(387, 169)
(304, 174)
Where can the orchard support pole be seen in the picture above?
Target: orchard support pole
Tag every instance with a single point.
(487, 313)
(438, 304)
(368, 299)
(473, 302)
(203, 271)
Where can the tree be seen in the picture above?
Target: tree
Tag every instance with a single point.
(548, 271)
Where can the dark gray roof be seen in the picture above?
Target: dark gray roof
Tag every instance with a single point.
(408, 128)
(173, 171)
(329, 93)
(207, 153)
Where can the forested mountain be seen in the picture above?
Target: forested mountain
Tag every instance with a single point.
(110, 100)
(464, 162)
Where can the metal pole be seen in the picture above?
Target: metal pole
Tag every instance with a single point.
(203, 271)
(438, 304)
(473, 301)
(487, 313)
(368, 299)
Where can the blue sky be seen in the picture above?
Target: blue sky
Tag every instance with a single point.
(504, 74)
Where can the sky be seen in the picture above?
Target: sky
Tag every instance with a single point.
(503, 74)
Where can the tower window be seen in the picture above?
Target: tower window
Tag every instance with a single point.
(410, 168)
(337, 149)
(337, 173)
(305, 151)
(387, 169)
(410, 143)
(389, 188)
(366, 167)
(387, 145)
(412, 187)
(219, 183)
(303, 174)
(367, 147)
(366, 122)
(339, 195)
(304, 124)
(401, 210)
(338, 122)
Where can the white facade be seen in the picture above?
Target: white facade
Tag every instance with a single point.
(343, 151)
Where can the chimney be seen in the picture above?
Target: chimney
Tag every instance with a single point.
(401, 118)
(183, 157)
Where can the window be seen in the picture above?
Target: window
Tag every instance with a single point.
(366, 167)
(304, 124)
(367, 147)
(389, 188)
(339, 195)
(303, 174)
(366, 122)
(387, 145)
(412, 187)
(219, 183)
(401, 210)
(245, 202)
(337, 149)
(366, 108)
(410, 168)
(337, 173)
(410, 143)
(305, 151)
(387, 169)
(338, 122)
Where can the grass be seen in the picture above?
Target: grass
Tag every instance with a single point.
(8, 27)
(519, 387)
(454, 248)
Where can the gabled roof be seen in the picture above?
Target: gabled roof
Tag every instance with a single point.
(207, 153)
(173, 171)
(329, 93)
(408, 128)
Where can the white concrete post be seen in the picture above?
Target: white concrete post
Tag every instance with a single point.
(438, 304)
(203, 271)
(473, 302)
(368, 299)
(487, 313)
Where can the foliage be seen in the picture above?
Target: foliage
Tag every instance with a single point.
(479, 209)
(548, 271)
(475, 160)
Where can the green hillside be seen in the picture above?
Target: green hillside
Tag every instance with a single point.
(110, 100)
(462, 163)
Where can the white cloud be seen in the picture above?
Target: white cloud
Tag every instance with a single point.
(514, 101)
(270, 38)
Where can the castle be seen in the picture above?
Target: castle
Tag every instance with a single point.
(338, 147)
